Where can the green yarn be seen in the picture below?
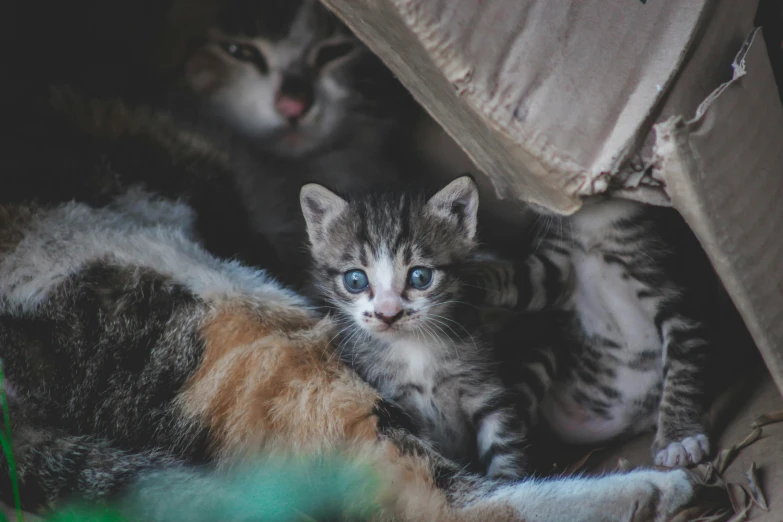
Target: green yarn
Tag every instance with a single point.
(273, 490)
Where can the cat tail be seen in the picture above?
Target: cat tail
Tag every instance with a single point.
(86, 478)
(52, 467)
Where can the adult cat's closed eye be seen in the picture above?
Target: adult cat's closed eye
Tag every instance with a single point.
(291, 86)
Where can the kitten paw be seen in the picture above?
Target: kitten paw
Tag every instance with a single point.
(688, 451)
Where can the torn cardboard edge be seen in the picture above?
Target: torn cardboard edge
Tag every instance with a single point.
(485, 77)
(641, 178)
(729, 190)
(381, 27)
(522, 90)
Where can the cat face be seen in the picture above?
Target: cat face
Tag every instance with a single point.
(388, 262)
(280, 71)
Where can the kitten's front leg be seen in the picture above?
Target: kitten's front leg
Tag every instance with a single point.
(500, 433)
(544, 280)
(643, 495)
(680, 438)
(491, 281)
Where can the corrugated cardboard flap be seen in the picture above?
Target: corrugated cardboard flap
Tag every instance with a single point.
(550, 99)
(724, 173)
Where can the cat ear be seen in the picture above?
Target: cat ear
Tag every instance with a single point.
(320, 206)
(458, 200)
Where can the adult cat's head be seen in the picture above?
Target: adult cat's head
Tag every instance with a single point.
(287, 74)
(390, 262)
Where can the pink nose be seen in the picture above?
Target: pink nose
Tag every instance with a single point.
(290, 108)
(387, 307)
(388, 319)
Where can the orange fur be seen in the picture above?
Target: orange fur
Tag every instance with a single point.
(411, 495)
(263, 388)
(266, 387)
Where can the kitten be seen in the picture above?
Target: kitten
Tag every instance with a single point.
(129, 349)
(642, 344)
(390, 264)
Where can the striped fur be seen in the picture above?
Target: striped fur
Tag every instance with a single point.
(635, 343)
(129, 349)
(431, 359)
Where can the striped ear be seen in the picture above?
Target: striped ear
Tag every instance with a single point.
(320, 207)
(458, 201)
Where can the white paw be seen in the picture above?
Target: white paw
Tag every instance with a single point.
(690, 450)
(506, 468)
(676, 491)
(653, 495)
(641, 495)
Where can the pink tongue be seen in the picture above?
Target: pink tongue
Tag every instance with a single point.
(290, 107)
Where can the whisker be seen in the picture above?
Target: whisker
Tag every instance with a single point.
(436, 317)
(453, 346)
(448, 302)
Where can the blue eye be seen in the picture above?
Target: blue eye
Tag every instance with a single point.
(420, 277)
(355, 281)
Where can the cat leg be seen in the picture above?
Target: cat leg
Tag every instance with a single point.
(533, 349)
(434, 488)
(643, 495)
(544, 280)
(490, 281)
(500, 434)
(680, 439)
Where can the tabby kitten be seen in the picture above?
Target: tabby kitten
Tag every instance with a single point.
(641, 346)
(390, 264)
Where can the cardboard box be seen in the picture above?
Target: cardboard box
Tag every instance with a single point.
(671, 103)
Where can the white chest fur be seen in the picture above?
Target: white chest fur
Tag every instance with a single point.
(416, 360)
(608, 306)
(606, 299)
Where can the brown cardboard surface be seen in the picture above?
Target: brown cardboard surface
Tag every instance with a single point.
(724, 172)
(551, 98)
